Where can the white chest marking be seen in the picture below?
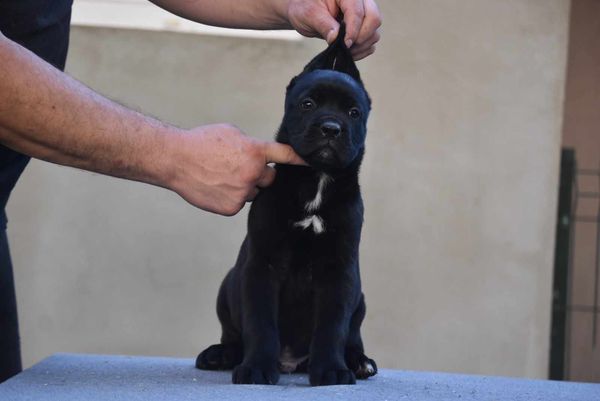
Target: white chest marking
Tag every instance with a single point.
(288, 363)
(314, 205)
(315, 221)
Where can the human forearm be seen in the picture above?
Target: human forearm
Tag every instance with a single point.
(48, 115)
(257, 14)
(308, 17)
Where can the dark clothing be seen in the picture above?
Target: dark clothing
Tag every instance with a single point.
(10, 350)
(41, 26)
(20, 17)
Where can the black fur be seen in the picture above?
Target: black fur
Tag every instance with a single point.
(296, 291)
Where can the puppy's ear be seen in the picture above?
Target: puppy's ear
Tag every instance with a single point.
(336, 57)
(291, 84)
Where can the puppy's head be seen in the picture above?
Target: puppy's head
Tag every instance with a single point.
(326, 110)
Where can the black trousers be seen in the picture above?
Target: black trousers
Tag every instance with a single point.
(51, 44)
(10, 351)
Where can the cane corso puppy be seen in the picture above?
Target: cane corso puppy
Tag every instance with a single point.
(293, 300)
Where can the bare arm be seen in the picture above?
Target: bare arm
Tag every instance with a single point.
(254, 14)
(48, 115)
(309, 17)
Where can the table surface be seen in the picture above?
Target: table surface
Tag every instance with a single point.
(103, 377)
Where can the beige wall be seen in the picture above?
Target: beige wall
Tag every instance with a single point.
(459, 181)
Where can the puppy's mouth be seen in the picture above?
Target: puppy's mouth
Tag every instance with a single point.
(325, 156)
(327, 152)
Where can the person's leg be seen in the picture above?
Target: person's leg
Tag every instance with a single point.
(10, 350)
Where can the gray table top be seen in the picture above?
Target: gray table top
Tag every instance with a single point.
(102, 377)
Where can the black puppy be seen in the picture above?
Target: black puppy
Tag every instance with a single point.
(293, 300)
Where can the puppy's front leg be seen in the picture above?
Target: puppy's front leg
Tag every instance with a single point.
(333, 311)
(260, 334)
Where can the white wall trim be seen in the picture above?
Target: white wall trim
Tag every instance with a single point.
(143, 15)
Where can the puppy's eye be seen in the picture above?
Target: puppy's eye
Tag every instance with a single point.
(307, 104)
(354, 112)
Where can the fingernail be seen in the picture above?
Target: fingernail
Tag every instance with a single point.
(348, 43)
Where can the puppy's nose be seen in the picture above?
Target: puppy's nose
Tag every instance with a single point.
(331, 128)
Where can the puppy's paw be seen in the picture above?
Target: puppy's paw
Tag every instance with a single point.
(219, 357)
(255, 374)
(325, 377)
(362, 366)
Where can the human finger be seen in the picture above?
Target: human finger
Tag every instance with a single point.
(280, 153)
(252, 194)
(364, 47)
(267, 177)
(325, 25)
(364, 53)
(370, 23)
(354, 13)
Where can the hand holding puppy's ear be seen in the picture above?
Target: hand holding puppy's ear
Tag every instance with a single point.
(336, 57)
(314, 18)
(318, 18)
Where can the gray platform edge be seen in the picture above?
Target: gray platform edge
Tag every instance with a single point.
(109, 377)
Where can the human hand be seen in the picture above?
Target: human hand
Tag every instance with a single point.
(318, 18)
(217, 168)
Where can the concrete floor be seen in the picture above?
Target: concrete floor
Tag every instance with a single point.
(92, 377)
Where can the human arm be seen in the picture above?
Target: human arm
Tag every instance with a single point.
(48, 115)
(308, 17)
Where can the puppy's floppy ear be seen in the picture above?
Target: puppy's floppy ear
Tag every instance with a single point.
(336, 57)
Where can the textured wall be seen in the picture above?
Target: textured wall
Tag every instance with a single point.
(459, 181)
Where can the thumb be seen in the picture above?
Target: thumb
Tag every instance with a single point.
(326, 26)
(279, 153)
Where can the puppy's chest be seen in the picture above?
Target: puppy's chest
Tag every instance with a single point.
(311, 232)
